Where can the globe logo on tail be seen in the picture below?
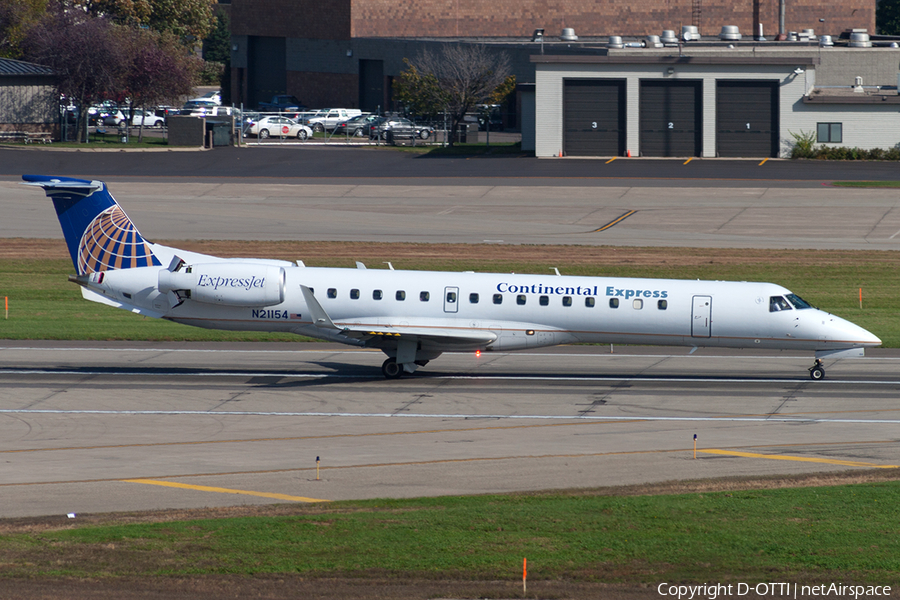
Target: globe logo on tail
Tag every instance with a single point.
(111, 242)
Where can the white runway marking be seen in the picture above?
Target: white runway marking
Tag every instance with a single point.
(761, 419)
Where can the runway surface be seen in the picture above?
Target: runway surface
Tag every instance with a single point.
(93, 427)
(507, 213)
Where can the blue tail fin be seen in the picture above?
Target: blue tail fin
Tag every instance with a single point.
(99, 234)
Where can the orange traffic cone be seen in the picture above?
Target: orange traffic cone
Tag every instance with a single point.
(560, 153)
(628, 153)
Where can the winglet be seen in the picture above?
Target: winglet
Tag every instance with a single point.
(319, 316)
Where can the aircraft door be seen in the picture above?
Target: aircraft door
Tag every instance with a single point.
(451, 299)
(701, 313)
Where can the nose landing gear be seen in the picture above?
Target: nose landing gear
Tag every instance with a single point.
(817, 371)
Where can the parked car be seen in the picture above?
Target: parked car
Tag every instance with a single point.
(215, 97)
(402, 128)
(355, 126)
(114, 118)
(282, 103)
(276, 126)
(148, 119)
(191, 106)
(328, 118)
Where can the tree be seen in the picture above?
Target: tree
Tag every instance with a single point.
(16, 18)
(85, 54)
(158, 69)
(455, 80)
(887, 17)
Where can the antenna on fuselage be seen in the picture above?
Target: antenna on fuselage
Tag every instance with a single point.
(557, 271)
(390, 266)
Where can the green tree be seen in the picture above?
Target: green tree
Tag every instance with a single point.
(16, 18)
(455, 80)
(887, 17)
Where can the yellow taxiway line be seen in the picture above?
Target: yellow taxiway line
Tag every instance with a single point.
(205, 488)
(829, 461)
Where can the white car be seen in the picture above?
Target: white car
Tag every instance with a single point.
(276, 126)
(149, 119)
(214, 97)
(114, 118)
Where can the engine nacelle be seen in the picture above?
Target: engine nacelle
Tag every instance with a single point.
(230, 284)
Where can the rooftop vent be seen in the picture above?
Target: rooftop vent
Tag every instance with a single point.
(690, 32)
(615, 41)
(826, 42)
(668, 37)
(568, 35)
(653, 42)
(730, 33)
(860, 40)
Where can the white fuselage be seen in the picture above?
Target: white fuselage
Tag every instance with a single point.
(465, 310)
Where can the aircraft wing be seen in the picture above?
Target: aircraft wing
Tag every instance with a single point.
(389, 334)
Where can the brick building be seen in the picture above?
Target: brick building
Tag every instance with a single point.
(347, 52)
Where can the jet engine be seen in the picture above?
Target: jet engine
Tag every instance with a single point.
(225, 283)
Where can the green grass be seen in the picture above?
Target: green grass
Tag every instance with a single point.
(840, 533)
(44, 305)
(867, 184)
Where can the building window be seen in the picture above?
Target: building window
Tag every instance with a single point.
(424, 296)
(520, 299)
(589, 302)
(376, 294)
(332, 293)
(614, 303)
(498, 298)
(830, 132)
(401, 295)
(473, 298)
(354, 294)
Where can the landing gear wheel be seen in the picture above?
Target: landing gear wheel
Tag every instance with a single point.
(391, 369)
(817, 372)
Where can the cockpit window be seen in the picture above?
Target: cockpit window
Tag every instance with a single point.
(798, 302)
(777, 303)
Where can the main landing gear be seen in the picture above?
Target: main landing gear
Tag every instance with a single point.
(817, 371)
(391, 369)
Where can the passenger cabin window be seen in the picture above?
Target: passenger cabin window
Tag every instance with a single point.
(638, 304)
(520, 299)
(589, 302)
(567, 300)
(376, 295)
(777, 303)
(424, 296)
(332, 293)
(544, 300)
(451, 297)
(400, 295)
(662, 304)
(614, 303)
(354, 294)
(473, 298)
(498, 298)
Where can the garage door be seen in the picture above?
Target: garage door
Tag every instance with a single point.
(594, 117)
(671, 118)
(747, 118)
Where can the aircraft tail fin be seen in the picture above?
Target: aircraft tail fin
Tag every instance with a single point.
(99, 234)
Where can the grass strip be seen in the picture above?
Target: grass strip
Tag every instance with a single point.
(841, 533)
(44, 305)
(867, 184)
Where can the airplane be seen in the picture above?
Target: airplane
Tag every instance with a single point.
(415, 316)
